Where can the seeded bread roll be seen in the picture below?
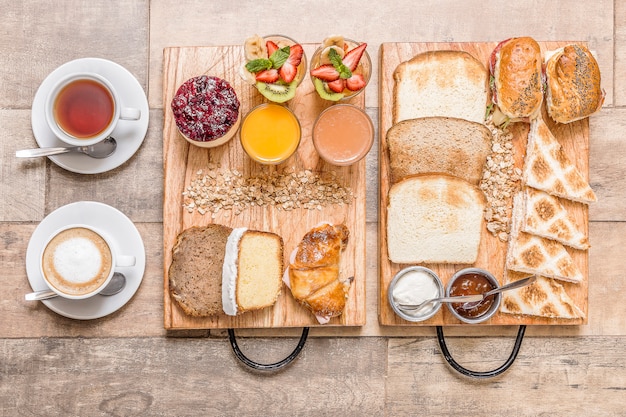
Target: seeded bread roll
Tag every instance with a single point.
(434, 218)
(438, 145)
(195, 273)
(516, 68)
(440, 83)
(573, 79)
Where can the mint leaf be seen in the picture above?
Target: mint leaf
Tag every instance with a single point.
(279, 57)
(258, 65)
(335, 59)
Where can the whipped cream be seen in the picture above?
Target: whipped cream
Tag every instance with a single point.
(229, 272)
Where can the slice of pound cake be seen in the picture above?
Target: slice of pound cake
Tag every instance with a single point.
(252, 272)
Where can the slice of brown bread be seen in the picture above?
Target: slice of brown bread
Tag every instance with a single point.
(195, 273)
(444, 145)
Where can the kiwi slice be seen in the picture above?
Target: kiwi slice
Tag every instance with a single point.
(278, 93)
(320, 86)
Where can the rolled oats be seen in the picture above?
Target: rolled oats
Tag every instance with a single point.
(214, 189)
(499, 182)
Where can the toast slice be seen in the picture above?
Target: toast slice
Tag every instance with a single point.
(434, 218)
(545, 216)
(543, 298)
(548, 168)
(195, 274)
(438, 145)
(536, 255)
(440, 83)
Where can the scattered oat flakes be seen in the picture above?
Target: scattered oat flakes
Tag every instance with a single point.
(213, 189)
(499, 182)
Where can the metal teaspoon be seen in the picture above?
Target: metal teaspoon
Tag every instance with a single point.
(117, 284)
(99, 150)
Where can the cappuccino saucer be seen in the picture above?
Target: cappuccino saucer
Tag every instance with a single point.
(129, 134)
(122, 232)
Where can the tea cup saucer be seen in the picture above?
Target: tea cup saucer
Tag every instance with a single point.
(129, 134)
(122, 232)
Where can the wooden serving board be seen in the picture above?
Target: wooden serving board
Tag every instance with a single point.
(574, 138)
(181, 161)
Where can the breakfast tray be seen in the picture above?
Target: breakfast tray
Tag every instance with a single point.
(574, 138)
(182, 163)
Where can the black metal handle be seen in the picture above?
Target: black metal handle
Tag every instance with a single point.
(270, 366)
(480, 374)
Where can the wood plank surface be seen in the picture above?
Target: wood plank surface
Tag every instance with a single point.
(574, 138)
(182, 161)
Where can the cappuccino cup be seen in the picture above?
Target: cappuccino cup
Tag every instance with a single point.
(83, 109)
(78, 261)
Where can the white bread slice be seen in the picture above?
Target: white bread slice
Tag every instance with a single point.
(543, 298)
(535, 255)
(548, 168)
(545, 216)
(434, 218)
(438, 145)
(441, 83)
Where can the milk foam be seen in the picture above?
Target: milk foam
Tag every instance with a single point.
(78, 260)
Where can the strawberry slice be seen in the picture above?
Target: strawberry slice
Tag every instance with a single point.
(271, 48)
(267, 76)
(352, 57)
(355, 83)
(325, 72)
(290, 68)
(337, 86)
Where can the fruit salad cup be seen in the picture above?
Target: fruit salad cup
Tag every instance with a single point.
(340, 68)
(275, 65)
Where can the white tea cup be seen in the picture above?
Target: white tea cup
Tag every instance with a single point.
(78, 261)
(83, 109)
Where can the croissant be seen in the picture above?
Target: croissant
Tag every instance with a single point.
(314, 271)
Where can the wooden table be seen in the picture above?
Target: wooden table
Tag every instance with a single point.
(127, 364)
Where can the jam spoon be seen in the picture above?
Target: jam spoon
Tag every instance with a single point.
(510, 286)
(456, 299)
(99, 150)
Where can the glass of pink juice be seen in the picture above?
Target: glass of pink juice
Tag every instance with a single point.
(343, 134)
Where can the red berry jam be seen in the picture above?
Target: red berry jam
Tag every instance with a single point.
(205, 108)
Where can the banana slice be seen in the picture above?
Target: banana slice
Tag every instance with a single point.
(334, 40)
(324, 55)
(254, 48)
(246, 75)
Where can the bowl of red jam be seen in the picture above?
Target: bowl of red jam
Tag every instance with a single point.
(471, 281)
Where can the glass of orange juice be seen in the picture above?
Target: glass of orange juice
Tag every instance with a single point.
(270, 133)
(343, 134)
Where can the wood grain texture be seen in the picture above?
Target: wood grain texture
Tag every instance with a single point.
(40, 36)
(564, 377)
(574, 138)
(22, 181)
(182, 161)
(189, 377)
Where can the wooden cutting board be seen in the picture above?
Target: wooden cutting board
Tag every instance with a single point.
(181, 161)
(574, 138)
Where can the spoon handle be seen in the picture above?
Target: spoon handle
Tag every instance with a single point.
(455, 299)
(30, 153)
(515, 284)
(40, 295)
